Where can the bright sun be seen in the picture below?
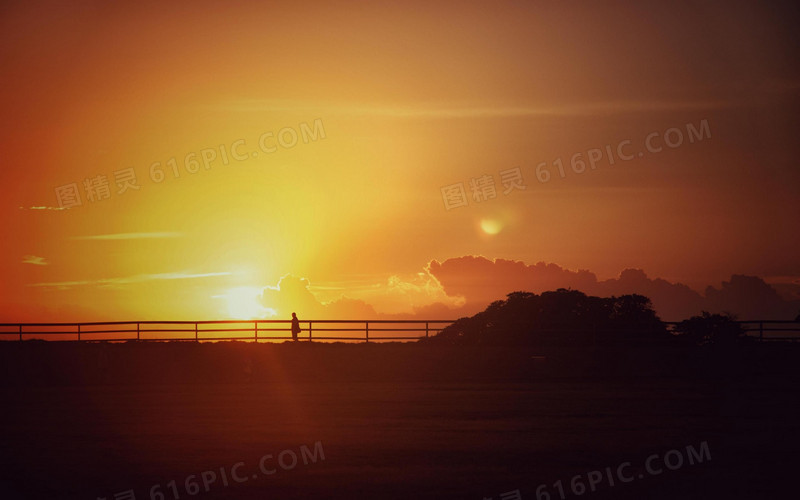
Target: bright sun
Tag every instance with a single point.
(491, 226)
(244, 303)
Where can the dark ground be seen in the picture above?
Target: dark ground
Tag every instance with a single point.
(90, 421)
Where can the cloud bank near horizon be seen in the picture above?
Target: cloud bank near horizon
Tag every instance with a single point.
(480, 280)
(470, 283)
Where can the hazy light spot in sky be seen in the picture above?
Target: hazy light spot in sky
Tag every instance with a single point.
(491, 226)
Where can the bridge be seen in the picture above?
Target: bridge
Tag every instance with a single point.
(274, 330)
(262, 330)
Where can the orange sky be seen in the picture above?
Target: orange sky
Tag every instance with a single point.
(373, 109)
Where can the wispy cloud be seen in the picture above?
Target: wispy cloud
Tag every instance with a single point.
(35, 260)
(343, 285)
(139, 278)
(128, 236)
(127, 280)
(461, 111)
(43, 208)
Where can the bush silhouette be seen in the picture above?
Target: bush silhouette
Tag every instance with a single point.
(718, 330)
(559, 317)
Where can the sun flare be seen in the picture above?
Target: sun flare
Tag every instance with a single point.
(245, 303)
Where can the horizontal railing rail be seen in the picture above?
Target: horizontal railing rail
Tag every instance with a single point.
(269, 330)
(262, 330)
(764, 330)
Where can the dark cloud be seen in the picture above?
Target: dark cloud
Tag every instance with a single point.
(749, 297)
(673, 301)
(480, 281)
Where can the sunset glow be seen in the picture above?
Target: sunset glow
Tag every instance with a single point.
(245, 303)
(145, 165)
(415, 250)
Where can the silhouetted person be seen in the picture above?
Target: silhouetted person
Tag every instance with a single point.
(295, 326)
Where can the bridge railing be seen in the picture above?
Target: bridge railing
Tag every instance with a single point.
(279, 330)
(764, 330)
(205, 331)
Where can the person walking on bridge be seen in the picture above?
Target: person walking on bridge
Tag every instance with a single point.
(295, 327)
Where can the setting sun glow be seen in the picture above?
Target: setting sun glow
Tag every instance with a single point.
(244, 303)
(156, 174)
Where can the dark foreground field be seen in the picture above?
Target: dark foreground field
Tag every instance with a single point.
(123, 421)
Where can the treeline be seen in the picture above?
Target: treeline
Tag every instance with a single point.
(570, 317)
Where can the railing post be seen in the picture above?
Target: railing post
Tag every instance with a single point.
(761, 331)
(20, 332)
(138, 335)
(255, 331)
(366, 329)
(79, 332)
(426, 329)
(310, 330)
(196, 336)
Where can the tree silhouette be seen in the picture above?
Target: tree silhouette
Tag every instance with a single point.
(559, 317)
(719, 330)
